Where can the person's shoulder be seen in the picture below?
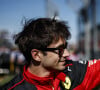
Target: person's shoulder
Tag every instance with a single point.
(75, 68)
(18, 79)
(79, 62)
(75, 72)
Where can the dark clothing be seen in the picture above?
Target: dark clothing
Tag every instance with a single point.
(78, 75)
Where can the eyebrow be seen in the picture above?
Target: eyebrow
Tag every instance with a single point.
(61, 45)
(51, 49)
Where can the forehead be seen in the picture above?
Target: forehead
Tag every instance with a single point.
(57, 43)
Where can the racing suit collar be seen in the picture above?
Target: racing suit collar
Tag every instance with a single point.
(31, 78)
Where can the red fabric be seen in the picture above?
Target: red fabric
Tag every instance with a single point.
(42, 83)
(92, 77)
(61, 76)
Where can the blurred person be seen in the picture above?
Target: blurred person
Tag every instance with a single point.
(16, 60)
(4, 57)
(74, 55)
(4, 49)
(43, 42)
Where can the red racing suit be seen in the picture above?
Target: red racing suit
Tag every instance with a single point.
(78, 75)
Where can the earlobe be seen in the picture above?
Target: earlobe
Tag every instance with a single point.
(35, 54)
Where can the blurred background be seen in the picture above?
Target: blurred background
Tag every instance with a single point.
(82, 16)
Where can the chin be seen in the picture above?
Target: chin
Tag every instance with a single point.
(61, 68)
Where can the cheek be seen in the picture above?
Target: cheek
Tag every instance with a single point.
(51, 59)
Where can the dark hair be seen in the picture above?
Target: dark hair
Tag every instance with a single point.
(40, 33)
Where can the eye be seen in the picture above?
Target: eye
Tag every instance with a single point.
(61, 50)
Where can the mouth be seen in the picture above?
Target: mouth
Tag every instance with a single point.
(62, 62)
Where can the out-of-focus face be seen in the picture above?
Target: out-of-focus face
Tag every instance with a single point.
(55, 60)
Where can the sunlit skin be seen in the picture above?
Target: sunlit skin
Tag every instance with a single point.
(49, 62)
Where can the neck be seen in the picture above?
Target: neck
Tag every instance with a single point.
(38, 71)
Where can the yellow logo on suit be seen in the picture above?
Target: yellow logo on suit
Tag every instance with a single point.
(67, 83)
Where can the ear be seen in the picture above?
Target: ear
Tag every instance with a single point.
(35, 54)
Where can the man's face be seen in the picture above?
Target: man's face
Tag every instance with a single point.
(55, 60)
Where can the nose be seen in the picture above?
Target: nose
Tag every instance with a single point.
(66, 53)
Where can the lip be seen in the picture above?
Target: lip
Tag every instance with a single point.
(62, 62)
